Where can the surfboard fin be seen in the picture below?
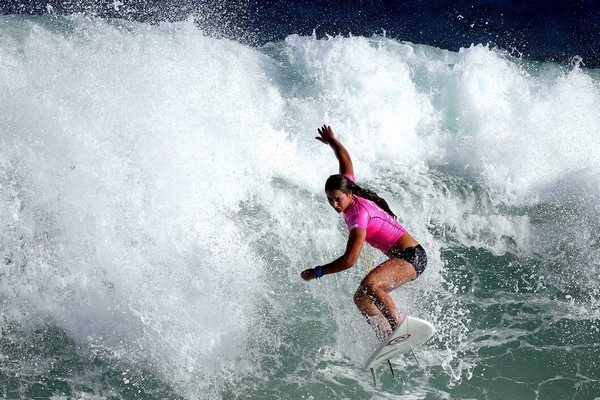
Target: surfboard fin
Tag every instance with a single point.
(391, 368)
(374, 380)
(414, 355)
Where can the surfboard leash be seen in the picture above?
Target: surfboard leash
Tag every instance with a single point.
(368, 260)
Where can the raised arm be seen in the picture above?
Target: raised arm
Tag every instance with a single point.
(328, 137)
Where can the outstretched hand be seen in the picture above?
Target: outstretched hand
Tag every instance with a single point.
(308, 274)
(326, 133)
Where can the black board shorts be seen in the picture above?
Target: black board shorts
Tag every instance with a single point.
(415, 255)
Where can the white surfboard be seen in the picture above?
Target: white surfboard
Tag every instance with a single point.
(412, 332)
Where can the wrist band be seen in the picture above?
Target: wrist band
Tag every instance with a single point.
(319, 271)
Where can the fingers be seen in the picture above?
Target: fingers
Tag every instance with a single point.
(325, 130)
(322, 133)
(326, 134)
(305, 275)
(308, 274)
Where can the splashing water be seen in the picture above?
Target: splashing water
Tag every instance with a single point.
(161, 190)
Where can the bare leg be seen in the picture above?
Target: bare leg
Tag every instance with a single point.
(372, 297)
(372, 314)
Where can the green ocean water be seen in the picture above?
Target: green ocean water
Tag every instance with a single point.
(161, 191)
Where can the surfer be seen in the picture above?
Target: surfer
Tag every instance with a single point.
(369, 219)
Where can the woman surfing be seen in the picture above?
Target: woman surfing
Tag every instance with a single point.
(369, 219)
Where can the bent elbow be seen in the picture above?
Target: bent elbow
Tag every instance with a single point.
(350, 262)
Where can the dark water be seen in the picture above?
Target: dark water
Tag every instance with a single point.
(539, 30)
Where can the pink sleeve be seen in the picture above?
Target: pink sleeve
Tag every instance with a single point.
(361, 220)
(351, 177)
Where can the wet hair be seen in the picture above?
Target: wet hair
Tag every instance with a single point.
(343, 183)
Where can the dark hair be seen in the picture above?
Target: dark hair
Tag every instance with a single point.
(343, 183)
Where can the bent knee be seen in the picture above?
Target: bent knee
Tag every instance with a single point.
(359, 296)
(369, 285)
(362, 295)
(366, 290)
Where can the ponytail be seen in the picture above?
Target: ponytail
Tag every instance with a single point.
(374, 197)
(343, 183)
